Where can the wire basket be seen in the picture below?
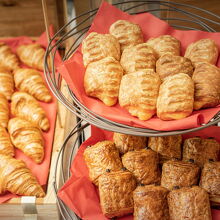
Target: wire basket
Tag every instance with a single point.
(204, 21)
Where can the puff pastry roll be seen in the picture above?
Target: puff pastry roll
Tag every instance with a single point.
(98, 46)
(138, 93)
(150, 203)
(17, 178)
(168, 147)
(165, 44)
(143, 164)
(6, 146)
(176, 96)
(31, 81)
(6, 82)
(127, 33)
(169, 65)
(116, 193)
(200, 150)
(207, 86)
(102, 80)
(7, 57)
(4, 111)
(25, 106)
(27, 137)
(179, 174)
(189, 203)
(204, 50)
(139, 57)
(101, 157)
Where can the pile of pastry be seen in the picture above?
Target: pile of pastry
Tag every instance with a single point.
(149, 78)
(22, 119)
(160, 178)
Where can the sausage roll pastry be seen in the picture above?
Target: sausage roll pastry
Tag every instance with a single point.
(101, 157)
(176, 96)
(31, 81)
(169, 65)
(6, 82)
(165, 44)
(25, 106)
(179, 174)
(4, 111)
(206, 78)
(200, 150)
(6, 146)
(150, 203)
(98, 46)
(189, 203)
(139, 57)
(143, 164)
(138, 93)
(127, 33)
(204, 50)
(168, 147)
(116, 193)
(102, 80)
(27, 137)
(7, 57)
(125, 143)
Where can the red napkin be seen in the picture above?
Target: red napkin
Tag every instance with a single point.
(73, 69)
(39, 170)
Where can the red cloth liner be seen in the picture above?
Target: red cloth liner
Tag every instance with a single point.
(73, 70)
(39, 170)
(81, 196)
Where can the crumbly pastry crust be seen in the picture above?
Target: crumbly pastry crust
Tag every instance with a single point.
(4, 112)
(6, 147)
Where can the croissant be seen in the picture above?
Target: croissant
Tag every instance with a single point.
(17, 178)
(27, 137)
(4, 111)
(25, 106)
(31, 81)
(6, 82)
(7, 57)
(6, 146)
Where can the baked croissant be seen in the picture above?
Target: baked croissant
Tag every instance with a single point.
(17, 178)
(25, 106)
(6, 82)
(31, 81)
(7, 57)
(27, 137)
(4, 111)
(6, 146)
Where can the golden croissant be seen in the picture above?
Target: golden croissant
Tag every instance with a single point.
(17, 178)
(6, 146)
(7, 57)
(27, 137)
(31, 81)
(25, 106)
(4, 111)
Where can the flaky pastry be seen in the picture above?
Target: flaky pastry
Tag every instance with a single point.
(4, 111)
(6, 146)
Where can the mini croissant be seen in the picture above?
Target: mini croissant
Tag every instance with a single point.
(17, 178)
(4, 111)
(6, 146)
(31, 81)
(25, 106)
(27, 137)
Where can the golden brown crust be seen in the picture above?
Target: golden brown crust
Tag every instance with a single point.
(138, 93)
(127, 33)
(176, 96)
(98, 46)
(143, 164)
(4, 111)
(189, 203)
(101, 157)
(179, 174)
(150, 203)
(6, 146)
(200, 150)
(102, 80)
(116, 193)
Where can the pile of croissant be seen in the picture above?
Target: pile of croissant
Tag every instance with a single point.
(162, 178)
(22, 119)
(149, 78)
